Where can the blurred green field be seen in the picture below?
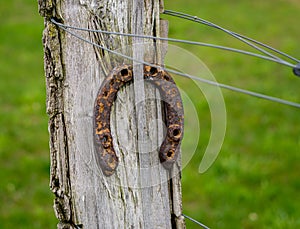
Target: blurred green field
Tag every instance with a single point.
(254, 182)
(26, 201)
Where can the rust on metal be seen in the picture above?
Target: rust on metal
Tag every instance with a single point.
(106, 96)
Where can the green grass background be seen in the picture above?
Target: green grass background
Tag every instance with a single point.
(255, 181)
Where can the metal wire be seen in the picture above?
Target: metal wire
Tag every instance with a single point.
(225, 86)
(242, 38)
(277, 60)
(205, 22)
(195, 221)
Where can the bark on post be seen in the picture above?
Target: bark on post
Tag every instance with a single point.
(84, 197)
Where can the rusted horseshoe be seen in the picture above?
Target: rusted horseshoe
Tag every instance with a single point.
(118, 77)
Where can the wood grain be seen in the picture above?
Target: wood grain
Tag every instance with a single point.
(140, 194)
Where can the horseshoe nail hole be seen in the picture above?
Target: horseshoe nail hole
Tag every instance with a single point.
(170, 153)
(104, 139)
(166, 77)
(124, 72)
(176, 132)
(105, 93)
(153, 70)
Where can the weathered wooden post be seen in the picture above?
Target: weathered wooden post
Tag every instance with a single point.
(141, 193)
